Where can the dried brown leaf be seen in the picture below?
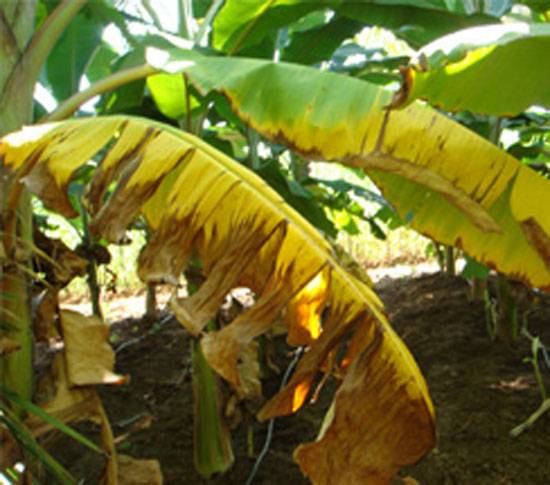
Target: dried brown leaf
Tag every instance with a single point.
(90, 358)
(365, 440)
(132, 471)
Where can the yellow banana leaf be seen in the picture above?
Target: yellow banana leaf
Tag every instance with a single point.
(196, 198)
(448, 182)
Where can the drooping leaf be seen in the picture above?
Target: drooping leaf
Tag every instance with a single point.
(446, 181)
(197, 199)
(496, 70)
(322, 459)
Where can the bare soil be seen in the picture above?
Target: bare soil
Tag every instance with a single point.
(481, 390)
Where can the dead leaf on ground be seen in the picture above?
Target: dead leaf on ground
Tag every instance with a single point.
(132, 471)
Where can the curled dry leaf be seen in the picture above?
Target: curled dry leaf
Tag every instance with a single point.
(347, 450)
(59, 263)
(241, 250)
(249, 373)
(196, 199)
(90, 358)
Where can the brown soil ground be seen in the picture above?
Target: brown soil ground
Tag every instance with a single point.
(481, 390)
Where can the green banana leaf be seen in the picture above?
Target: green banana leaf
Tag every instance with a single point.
(241, 24)
(419, 23)
(495, 70)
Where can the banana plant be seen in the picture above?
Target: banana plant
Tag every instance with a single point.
(197, 199)
(415, 155)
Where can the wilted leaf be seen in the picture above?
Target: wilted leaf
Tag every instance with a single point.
(223, 348)
(90, 359)
(249, 373)
(346, 451)
(241, 249)
(197, 199)
(66, 405)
